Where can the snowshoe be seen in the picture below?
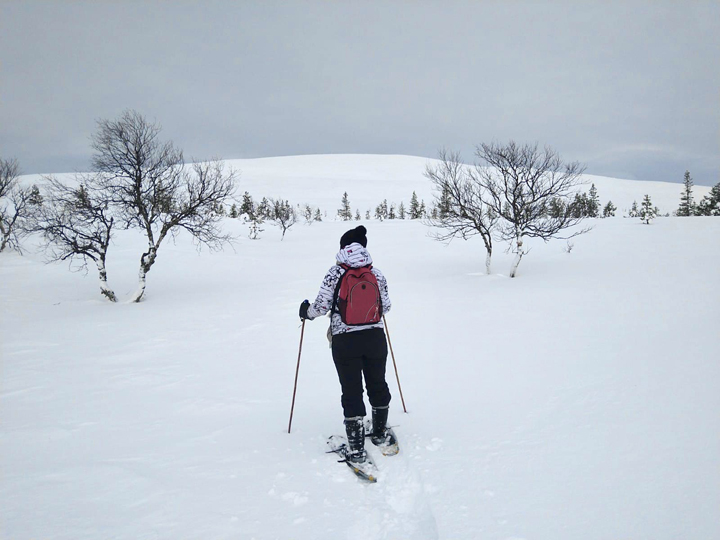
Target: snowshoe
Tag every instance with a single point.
(363, 468)
(380, 434)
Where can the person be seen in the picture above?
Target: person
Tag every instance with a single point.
(357, 350)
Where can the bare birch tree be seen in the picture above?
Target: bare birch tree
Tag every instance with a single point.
(518, 184)
(17, 204)
(151, 189)
(462, 211)
(282, 214)
(76, 225)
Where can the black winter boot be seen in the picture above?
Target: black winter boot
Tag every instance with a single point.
(355, 430)
(380, 434)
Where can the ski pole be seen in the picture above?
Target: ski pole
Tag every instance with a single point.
(387, 332)
(297, 370)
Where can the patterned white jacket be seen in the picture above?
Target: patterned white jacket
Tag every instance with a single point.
(354, 256)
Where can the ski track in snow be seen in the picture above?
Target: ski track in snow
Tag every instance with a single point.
(395, 507)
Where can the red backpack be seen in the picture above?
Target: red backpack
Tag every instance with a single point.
(357, 297)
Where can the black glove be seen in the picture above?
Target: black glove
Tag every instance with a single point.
(303, 309)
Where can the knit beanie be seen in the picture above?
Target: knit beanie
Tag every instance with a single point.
(358, 234)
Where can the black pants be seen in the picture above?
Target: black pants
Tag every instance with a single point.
(356, 354)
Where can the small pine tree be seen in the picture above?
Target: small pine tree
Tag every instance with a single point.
(581, 206)
(593, 204)
(318, 215)
(634, 212)
(367, 214)
(247, 207)
(357, 215)
(687, 207)
(609, 210)
(264, 209)
(35, 198)
(647, 211)
(255, 230)
(233, 211)
(710, 204)
(345, 212)
(414, 207)
(556, 208)
(422, 213)
(308, 214)
(401, 211)
(444, 204)
(381, 211)
(391, 213)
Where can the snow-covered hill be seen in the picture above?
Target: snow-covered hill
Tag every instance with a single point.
(321, 180)
(579, 400)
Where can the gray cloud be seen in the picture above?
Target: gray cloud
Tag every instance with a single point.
(630, 88)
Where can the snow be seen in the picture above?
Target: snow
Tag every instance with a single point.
(321, 180)
(578, 400)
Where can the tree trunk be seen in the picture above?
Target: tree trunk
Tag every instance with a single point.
(518, 256)
(5, 235)
(146, 262)
(488, 253)
(105, 290)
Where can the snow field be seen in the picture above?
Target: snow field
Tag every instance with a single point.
(578, 400)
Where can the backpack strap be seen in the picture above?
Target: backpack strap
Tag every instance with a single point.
(333, 308)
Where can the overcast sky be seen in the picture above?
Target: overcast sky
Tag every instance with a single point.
(630, 88)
